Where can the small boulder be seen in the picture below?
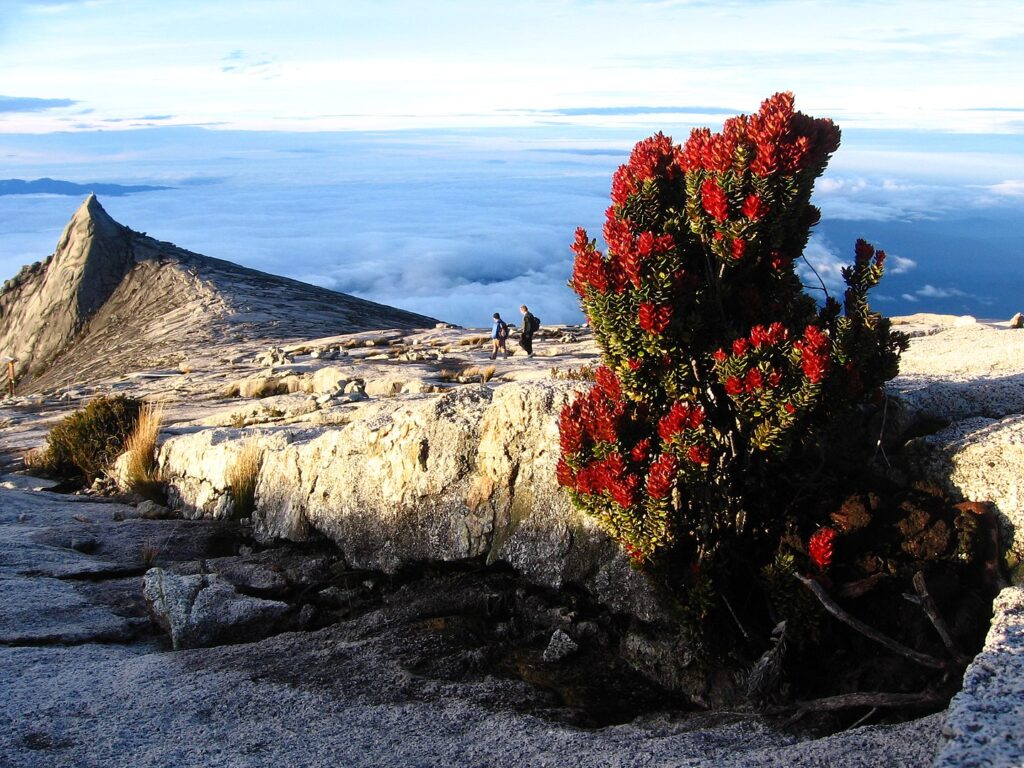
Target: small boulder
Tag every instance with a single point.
(150, 510)
(560, 647)
(205, 610)
(273, 356)
(1017, 321)
(83, 544)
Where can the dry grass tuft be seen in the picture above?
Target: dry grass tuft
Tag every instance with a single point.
(468, 374)
(474, 341)
(583, 373)
(148, 553)
(242, 477)
(39, 460)
(141, 448)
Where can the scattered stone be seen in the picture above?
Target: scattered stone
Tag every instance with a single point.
(84, 545)
(205, 610)
(103, 486)
(329, 378)
(150, 510)
(1017, 321)
(260, 386)
(273, 356)
(560, 647)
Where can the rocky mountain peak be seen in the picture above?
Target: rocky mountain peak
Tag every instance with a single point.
(109, 300)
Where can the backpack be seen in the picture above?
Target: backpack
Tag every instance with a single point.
(502, 329)
(534, 324)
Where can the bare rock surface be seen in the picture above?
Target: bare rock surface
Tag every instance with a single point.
(983, 727)
(411, 675)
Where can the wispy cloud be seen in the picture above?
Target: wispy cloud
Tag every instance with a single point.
(32, 104)
(239, 62)
(1009, 188)
(631, 111)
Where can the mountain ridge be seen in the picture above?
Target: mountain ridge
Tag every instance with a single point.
(109, 300)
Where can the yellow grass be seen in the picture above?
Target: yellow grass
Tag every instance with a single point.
(141, 448)
(242, 477)
(469, 373)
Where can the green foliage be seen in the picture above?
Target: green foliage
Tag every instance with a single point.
(87, 442)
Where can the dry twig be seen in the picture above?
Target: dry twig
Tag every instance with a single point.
(932, 611)
(870, 632)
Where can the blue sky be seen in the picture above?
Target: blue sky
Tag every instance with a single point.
(439, 155)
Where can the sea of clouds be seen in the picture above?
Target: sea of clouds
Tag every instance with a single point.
(459, 224)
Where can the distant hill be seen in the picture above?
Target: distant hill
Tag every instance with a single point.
(110, 300)
(58, 187)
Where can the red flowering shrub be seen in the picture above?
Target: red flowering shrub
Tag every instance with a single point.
(718, 368)
(820, 547)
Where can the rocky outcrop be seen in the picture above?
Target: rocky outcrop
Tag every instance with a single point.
(111, 300)
(962, 382)
(469, 473)
(203, 610)
(983, 725)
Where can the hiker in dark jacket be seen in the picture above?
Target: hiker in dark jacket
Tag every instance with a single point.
(499, 332)
(530, 325)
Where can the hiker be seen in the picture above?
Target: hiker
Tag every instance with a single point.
(530, 326)
(499, 333)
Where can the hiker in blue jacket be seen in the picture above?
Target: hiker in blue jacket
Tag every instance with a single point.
(499, 333)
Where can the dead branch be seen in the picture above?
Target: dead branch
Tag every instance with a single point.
(932, 611)
(875, 700)
(869, 632)
(736, 619)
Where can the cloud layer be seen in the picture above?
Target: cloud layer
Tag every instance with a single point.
(461, 224)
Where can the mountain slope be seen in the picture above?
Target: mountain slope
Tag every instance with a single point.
(110, 300)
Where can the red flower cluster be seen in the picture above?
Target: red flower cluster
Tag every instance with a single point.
(754, 207)
(787, 140)
(738, 248)
(781, 139)
(714, 200)
(655, 156)
(821, 547)
(699, 454)
(608, 382)
(662, 476)
(632, 252)
(589, 268)
(814, 353)
(592, 418)
(654, 319)
(753, 381)
(761, 336)
(611, 476)
(682, 415)
(864, 252)
(641, 451)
